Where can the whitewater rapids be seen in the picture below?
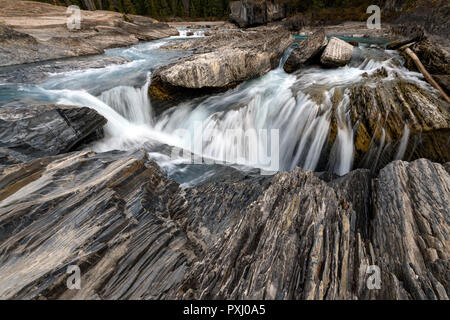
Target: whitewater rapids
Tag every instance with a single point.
(298, 105)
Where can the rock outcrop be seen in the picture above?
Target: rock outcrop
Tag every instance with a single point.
(33, 31)
(413, 248)
(222, 61)
(435, 59)
(136, 235)
(338, 53)
(249, 13)
(306, 50)
(432, 15)
(32, 131)
(398, 112)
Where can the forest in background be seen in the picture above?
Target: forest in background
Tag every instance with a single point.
(210, 9)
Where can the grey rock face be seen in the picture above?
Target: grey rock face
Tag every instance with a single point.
(105, 214)
(434, 57)
(248, 13)
(337, 53)
(45, 130)
(412, 242)
(34, 31)
(306, 50)
(291, 236)
(222, 61)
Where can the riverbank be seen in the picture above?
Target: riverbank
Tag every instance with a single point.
(34, 31)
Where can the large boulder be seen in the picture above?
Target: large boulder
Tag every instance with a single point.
(222, 61)
(248, 13)
(338, 53)
(32, 131)
(306, 51)
(398, 119)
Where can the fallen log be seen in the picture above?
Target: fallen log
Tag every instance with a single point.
(425, 73)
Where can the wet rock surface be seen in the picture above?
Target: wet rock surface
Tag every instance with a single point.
(394, 112)
(38, 72)
(434, 57)
(222, 61)
(32, 131)
(136, 235)
(33, 31)
(306, 50)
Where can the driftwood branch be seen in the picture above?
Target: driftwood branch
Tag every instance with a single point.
(425, 73)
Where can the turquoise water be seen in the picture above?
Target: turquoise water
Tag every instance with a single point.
(279, 103)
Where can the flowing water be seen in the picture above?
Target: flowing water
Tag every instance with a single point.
(290, 113)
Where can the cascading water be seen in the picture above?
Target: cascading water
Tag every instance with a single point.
(299, 106)
(131, 103)
(341, 159)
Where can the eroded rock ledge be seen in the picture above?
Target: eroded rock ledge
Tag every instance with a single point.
(32, 131)
(220, 62)
(136, 235)
(34, 31)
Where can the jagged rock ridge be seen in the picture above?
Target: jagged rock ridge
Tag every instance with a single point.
(136, 235)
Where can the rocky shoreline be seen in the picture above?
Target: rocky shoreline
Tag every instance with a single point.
(33, 31)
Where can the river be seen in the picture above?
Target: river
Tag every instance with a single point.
(298, 106)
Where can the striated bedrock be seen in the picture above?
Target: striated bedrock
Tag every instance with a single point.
(34, 31)
(105, 213)
(135, 234)
(248, 13)
(337, 53)
(220, 62)
(33, 131)
(306, 51)
(396, 119)
(302, 239)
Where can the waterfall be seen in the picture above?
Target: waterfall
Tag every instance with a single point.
(263, 104)
(341, 159)
(286, 114)
(403, 143)
(131, 103)
(185, 33)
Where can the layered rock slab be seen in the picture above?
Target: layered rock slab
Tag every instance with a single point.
(222, 61)
(394, 113)
(34, 131)
(105, 213)
(136, 235)
(411, 230)
(338, 53)
(34, 31)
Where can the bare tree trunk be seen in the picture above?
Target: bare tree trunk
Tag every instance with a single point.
(89, 5)
(425, 73)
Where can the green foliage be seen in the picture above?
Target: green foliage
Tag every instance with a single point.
(210, 9)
